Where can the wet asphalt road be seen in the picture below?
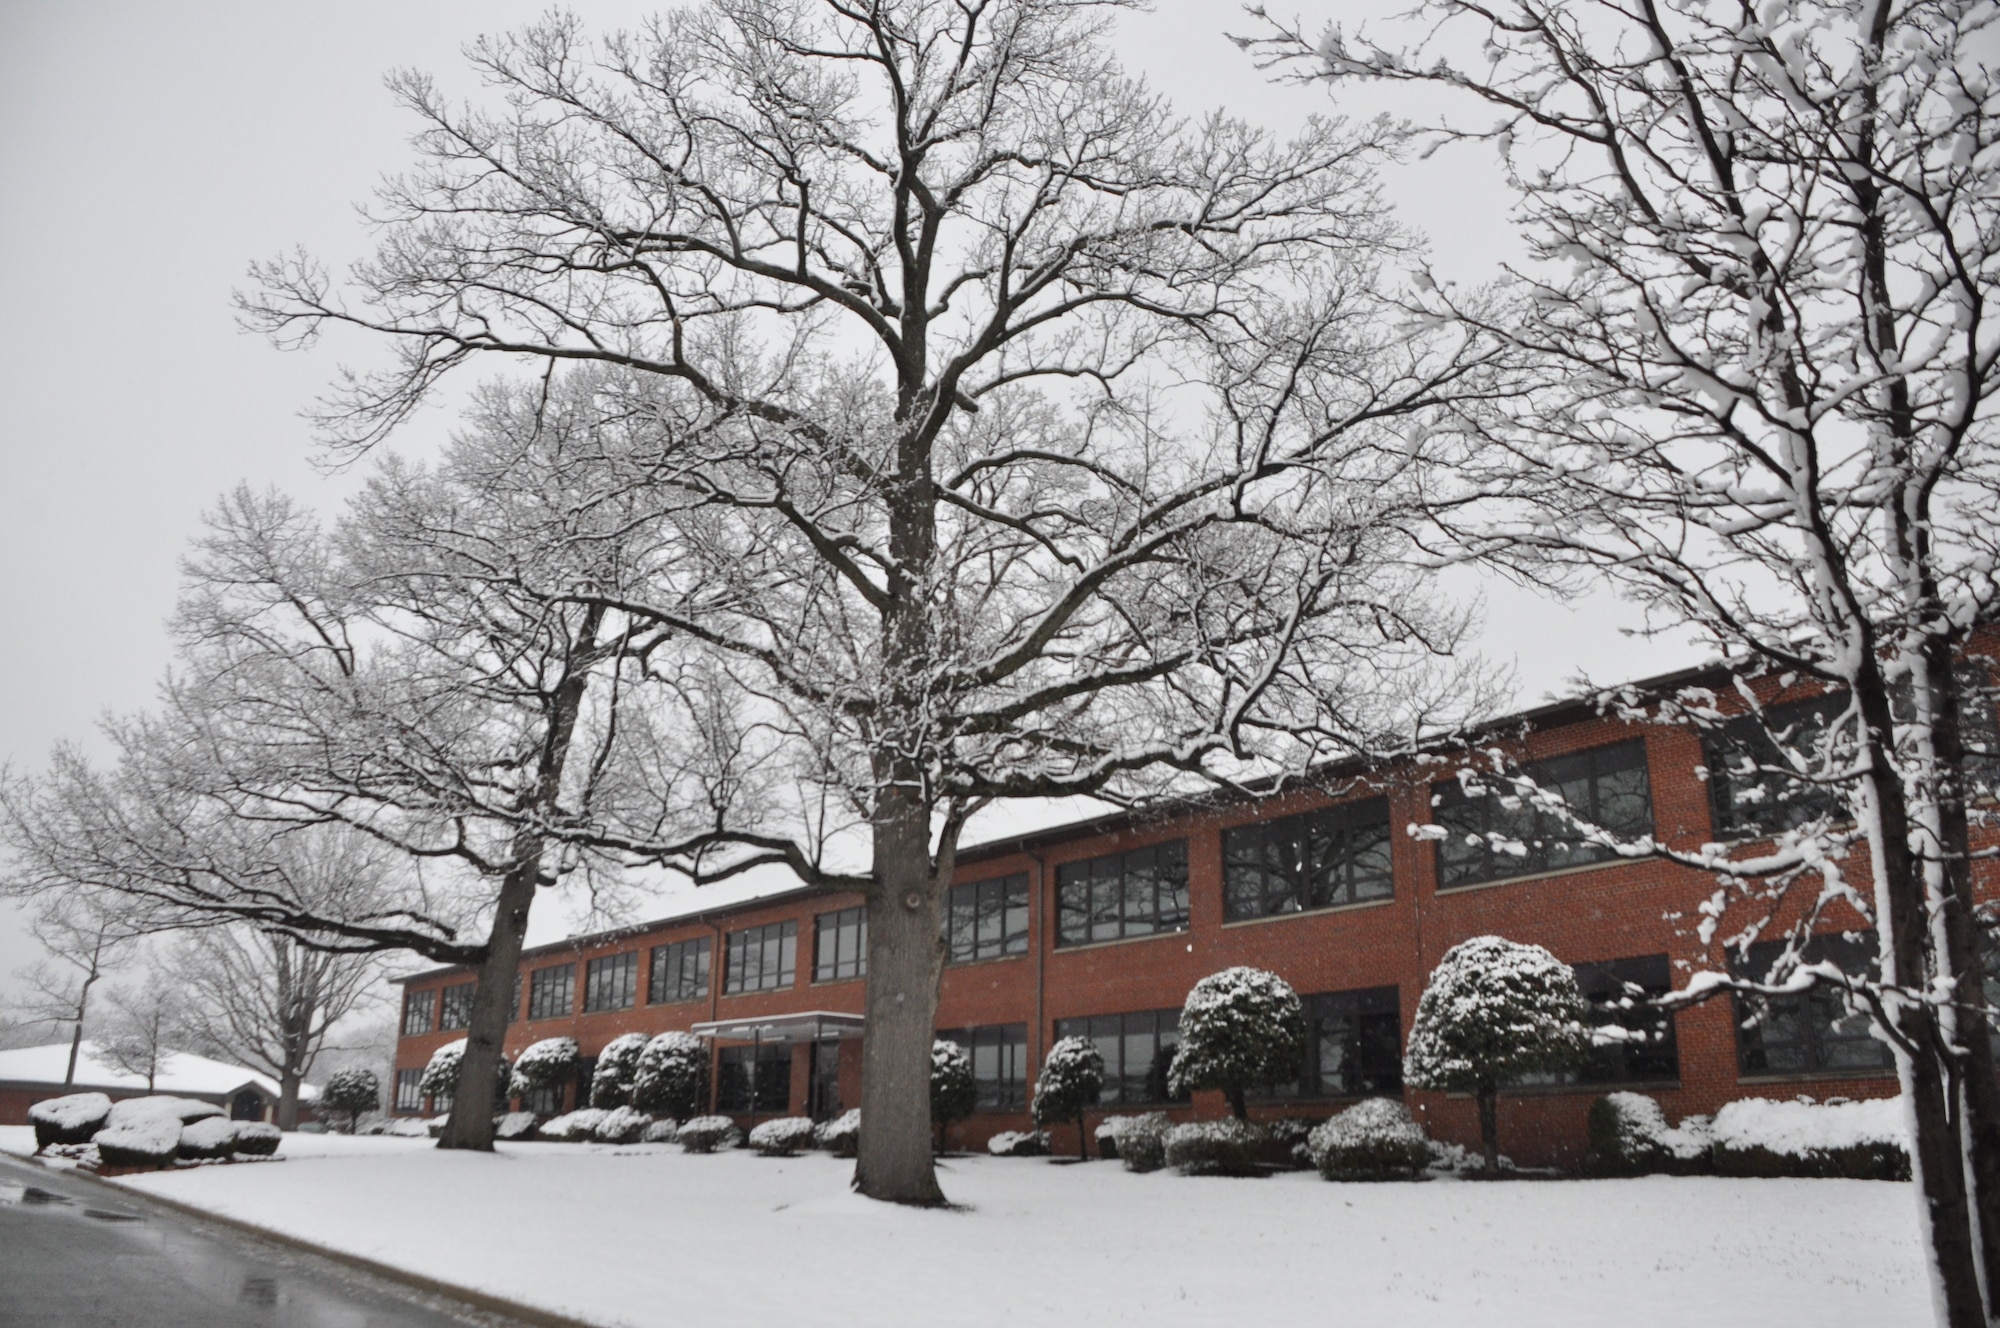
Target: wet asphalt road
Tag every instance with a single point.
(75, 1254)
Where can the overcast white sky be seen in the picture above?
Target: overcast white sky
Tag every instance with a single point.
(149, 152)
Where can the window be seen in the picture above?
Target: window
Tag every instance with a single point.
(1617, 990)
(1137, 1049)
(455, 1006)
(986, 919)
(1337, 855)
(611, 983)
(1605, 787)
(1808, 1032)
(1753, 787)
(840, 945)
(680, 972)
(514, 1010)
(550, 991)
(1125, 894)
(1354, 1045)
(768, 1068)
(545, 1101)
(409, 1095)
(762, 958)
(999, 1063)
(418, 1009)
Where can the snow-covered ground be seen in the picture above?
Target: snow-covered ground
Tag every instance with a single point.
(647, 1234)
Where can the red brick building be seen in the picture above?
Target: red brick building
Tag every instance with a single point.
(1100, 928)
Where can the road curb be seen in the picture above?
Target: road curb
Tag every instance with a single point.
(466, 1296)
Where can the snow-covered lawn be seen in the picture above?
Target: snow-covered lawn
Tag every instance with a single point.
(648, 1235)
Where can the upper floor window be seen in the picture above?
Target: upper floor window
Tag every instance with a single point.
(1766, 773)
(999, 1063)
(840, 945)
(611, 983)
(1137, 1049)
(1500, 832)
(551, 991)
(680, 972)
(419, 1010)
(1812, 1031)
(986, 919)
(762, 958)
(1336, 855)
(455, 1006)
(1136, 893)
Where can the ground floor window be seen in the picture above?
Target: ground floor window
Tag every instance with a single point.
(772, 1079)
(1813, 1031)
(1354, 1045)
(409, 1093)
(545, 1101)
(1137, 1049)
(999, 1063)
(1619, 992)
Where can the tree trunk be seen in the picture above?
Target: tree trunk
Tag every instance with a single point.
(288, 1099)
(1082, 1139)
(905, 959)
(1237, 1106)
(75, 1045)
(1489, 1127)
(472, 1101)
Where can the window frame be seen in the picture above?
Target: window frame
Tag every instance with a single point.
(1853, 952)
(670, 961)
(1129, 1025)
(759, 1103)
(1466, 859)
(544, 986)
(1748, 737)
(1002, 1048)
(970, 903)
(408, 1096)
(611, 982)
(785, 934)
(1113, 895)
(448, 999)
(1281, 892)
(841, 923)
(411, 999)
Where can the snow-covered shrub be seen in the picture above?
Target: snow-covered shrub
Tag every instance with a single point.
(145, 1141)
(407, 1127)
(1851, 1140)
(1371, 1140)
(1629, 1136)
(1291, 1140)
(617, 1072)
(782, 1137)
(1229, 1147)
(954, 1092)
(842, 1135)
(622, 1125)
(1242, 1028)
(213, 1137)
(349, 1093)
(1019, 1143)
(512, 1126)
(68, 1120)
(1070, 1081)
(660, 1132)
(440, 1079)
(1493, 1011)
(1141, 1141)
(1106, 1134)
(705, 1134)
(180, 1110)
(254, 1138)
(672, 1078)
(578, 1126)
(548, 1063)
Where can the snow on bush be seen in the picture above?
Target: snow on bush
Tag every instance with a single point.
(672, 1077)
(1629, 1136)
(544, 1064)
(842, 1135)
(1371, 1140)
(256, 1139)
(660, 1132)
(349, 1093)
(622, 1125)
(705, 1134)
(180, 1110)
(68, 1120)
(1242, 1028)
(407, 1127)
(145, 1141)
(1493, 1011)
(440, 1079)
(1140, 1142)
(1070, 1080)
(782, 1137)
(1855, 1140)
(617, 1072)
(1018, 1143)
(954, 1092)
(576, 1127)
(1229, 1147)
(213, 1137)
(1291, 1136)
(514, 1125)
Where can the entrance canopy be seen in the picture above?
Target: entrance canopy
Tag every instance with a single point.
(811, 1026)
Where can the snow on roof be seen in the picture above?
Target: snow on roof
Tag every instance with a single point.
(181, 1072)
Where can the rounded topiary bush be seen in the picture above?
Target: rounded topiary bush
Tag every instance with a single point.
(513, 1126)
(1371, 1141)
(549, 1063)
(954, 1091)
(1142, 1141)
(1629, 1136)
(256, 1139)
(1217, 1148)
(210, 1138)
(617, 1073)
(577, 1126)
(440, 1079)
(180, 1110)
(621, 1125)
(672, 1076)
(705, 1134)
(72, 1119)
(782, 1137)
(148, 1141)
(660, 1132)
(350, 1093)
(1242, 1028)
(1070, 1081)
(1019, 1143)
(840, 1136)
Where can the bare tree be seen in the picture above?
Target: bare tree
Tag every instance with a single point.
(1048, 443)
(1764, 255)
(83, 935)
(147, 1024)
